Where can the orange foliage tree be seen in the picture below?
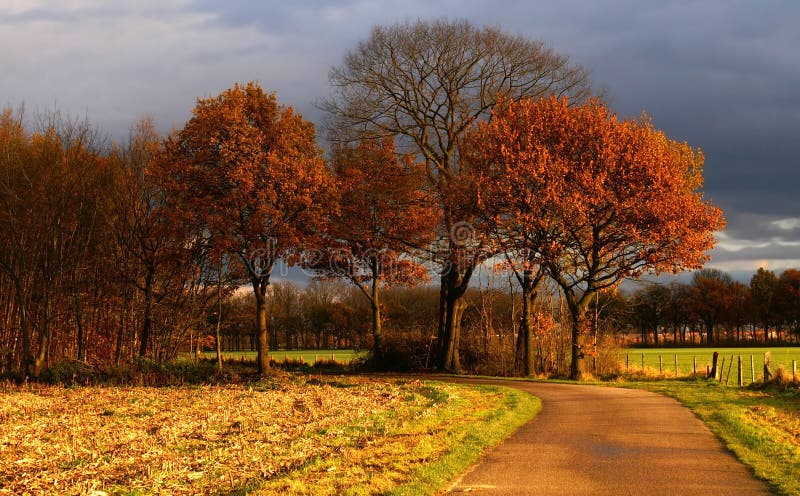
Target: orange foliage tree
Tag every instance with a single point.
(425, 83)
(153, 245)
(49, 203)
(596, 199)
(249, 173)
(384, 210)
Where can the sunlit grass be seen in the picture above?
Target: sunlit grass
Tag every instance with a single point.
(290, 434)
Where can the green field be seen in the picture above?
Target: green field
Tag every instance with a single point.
(308, 356)
(780, 357)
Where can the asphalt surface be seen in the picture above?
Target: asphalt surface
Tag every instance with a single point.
(607, 441)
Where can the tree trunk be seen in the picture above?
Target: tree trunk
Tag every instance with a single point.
(148, 310)
(39, 360)
(262, 335)
(525, 352)
(219, 317)
(451, 361)
(198, 348)
(577, 368)
(451, 309)
(441, 331)
(25, 328)
(580, 333)
(377, 335)
(81, 355)
(526, 333)
(121, 330)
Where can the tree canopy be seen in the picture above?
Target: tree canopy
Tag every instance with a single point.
(252, 179)
(596, 198)
(424, 83)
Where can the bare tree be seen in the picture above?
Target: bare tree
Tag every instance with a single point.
(425, 83)
(49, 181)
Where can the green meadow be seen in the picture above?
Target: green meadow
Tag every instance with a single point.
(686, 357)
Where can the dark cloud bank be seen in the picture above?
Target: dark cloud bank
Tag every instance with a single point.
(722, 75)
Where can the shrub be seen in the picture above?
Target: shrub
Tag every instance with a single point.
(406, 351)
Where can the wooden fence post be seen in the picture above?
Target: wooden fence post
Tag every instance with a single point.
(694, 366)
(767, 373)
(739, 375)
(660, 365)
(752, 370)
(713, 373)
(721, 370)
(794, 370)
(627, 361)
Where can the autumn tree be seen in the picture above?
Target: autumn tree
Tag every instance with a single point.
(763, 288)
(740, 308)
(384, 211)
(788, 300)
(509, 227)
(679, 315)
(710, 301)
(153, 245)
(650, 306)
(425, 83)
(606, 199)
(250, 174)
(49, 184)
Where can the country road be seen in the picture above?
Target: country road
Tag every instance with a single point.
(607, 441)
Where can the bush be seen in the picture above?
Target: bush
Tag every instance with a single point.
(141, 372)
(68, 372)
(407, 351)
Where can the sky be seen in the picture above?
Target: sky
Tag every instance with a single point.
(723, 75)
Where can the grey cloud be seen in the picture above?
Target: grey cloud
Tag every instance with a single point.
(754, 226)
(721, 74)
(773, 251)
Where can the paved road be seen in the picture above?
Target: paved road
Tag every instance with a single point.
(608, 441)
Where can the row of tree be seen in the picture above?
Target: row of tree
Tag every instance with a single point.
(329, 314)
(715, 308)
(87, 268)
(452, 148)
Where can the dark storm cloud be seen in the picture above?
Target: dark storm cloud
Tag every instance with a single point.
(722, 75)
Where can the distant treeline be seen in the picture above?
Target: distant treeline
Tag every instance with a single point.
(712, 309)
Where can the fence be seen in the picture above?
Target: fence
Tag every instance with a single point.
(717, 368)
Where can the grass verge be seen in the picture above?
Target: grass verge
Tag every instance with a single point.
(760, 426)
(289, 434)
(467, 445)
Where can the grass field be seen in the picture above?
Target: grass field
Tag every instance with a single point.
(289, 434)
(308, 356)
(780, 357)
(762, 427)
